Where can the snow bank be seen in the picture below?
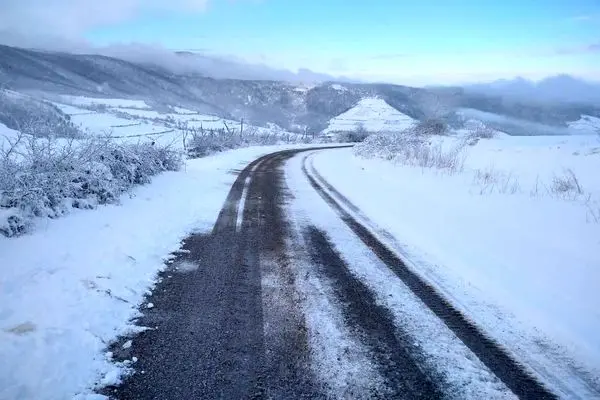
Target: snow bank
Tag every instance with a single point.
(524, 265)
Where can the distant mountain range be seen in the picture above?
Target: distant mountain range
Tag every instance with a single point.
(185, 79)
(560, 88)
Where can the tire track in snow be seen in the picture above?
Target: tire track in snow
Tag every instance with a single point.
(394, 357)
(513, 374)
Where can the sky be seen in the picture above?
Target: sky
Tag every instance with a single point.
(419, 42)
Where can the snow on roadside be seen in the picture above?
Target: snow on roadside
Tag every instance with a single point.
(460, 372)
(70, 288)
(524, 267)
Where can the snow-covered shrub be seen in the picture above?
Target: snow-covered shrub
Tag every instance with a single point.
(12, 222)
(415, 149)
(200, 142)
(358, 135)
(477, 130)
(45, 177)
(431, 127)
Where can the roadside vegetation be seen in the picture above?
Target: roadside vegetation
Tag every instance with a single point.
(48, 176)
(429, 145)
(49, 166)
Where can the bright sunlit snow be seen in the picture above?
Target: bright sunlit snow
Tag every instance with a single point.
(372, 114)
(72, 286)
(523, 263)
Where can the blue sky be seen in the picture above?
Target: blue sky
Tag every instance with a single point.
(424, 40)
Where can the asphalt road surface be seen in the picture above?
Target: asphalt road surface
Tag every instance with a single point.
(228, 320)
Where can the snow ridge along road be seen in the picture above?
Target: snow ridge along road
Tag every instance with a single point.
(497, 359)
(228, 319)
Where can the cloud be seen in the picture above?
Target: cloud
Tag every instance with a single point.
(70, 18)
(582, 49)
(213, 65)
(586, 18)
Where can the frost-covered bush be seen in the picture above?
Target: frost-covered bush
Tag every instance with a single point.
(200, 142)
(413, 149)
(431, 127)
(45, 177)
(477, 130)
(358, 135)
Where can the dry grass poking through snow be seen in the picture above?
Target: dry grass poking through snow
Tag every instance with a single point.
(414, 148)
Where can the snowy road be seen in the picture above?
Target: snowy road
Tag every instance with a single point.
(294, 294)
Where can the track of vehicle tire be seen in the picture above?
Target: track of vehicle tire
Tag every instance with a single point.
(207, 338)
(218, 332)
(494, 356)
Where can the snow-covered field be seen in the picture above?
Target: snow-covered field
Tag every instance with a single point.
(521, 260)
(372, 114)
(72, 286)
(134, 120)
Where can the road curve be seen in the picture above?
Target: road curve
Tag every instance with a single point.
(227, 320)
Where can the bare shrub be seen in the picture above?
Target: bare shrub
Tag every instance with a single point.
(358, 135)
(414, 150)
(566, 185)
(477, 130)
(431, 127)
(199, 142)
(490, 180)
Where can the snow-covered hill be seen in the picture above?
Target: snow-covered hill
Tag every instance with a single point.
(585, 124)
(372, 114)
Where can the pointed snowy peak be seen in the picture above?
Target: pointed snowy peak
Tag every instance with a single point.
(372, 114)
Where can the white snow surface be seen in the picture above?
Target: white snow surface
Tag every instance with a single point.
(137, 124)
(7, 133)
(374, 114)
(72, 286)
(461, 373)
(525, 267)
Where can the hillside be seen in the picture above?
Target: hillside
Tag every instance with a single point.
(294, 107)
(371, 115)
